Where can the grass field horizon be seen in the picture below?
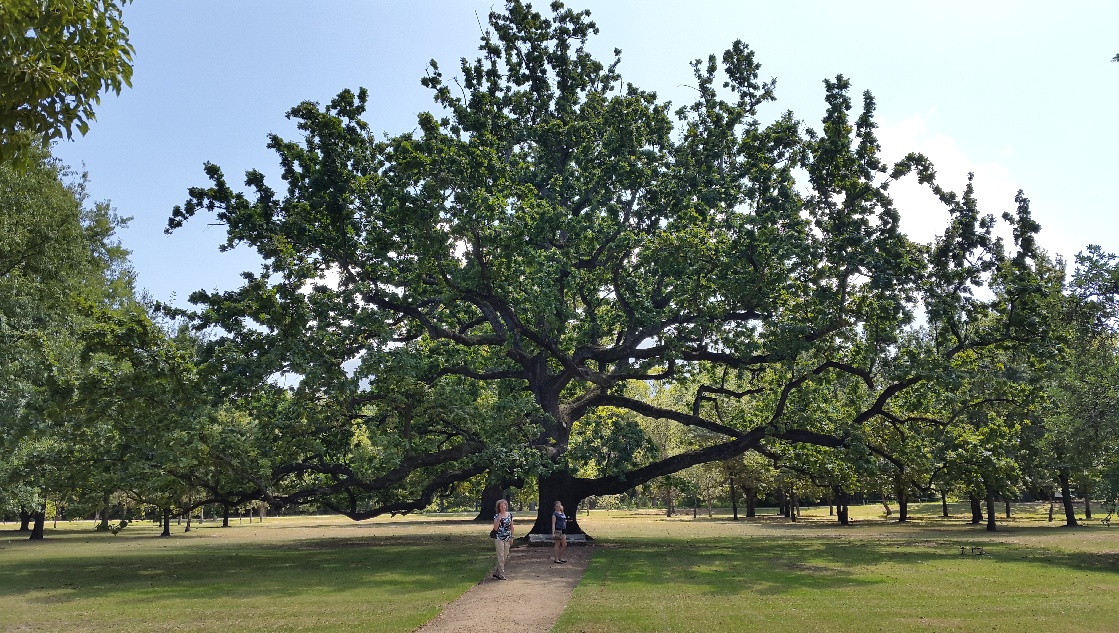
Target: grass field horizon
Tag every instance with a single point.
(649, 573)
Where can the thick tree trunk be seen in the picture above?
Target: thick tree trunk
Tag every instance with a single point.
(1087, 504)
(166, 522)
(24, 520)
(104, 525)
(188, 521)
(943, 504)
(976, 509)
(990, 510)
(903, 501)
(1066, 498)
(794, 507)
(225, 516)
(40, 524)
(559, 486)
(751, 503)
(1052, 502)
(490, 496)
(733, 501)
(841, 511)
(1007, 502)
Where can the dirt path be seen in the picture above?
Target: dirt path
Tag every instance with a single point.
(532, 599)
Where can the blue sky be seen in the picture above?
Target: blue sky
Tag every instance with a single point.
(1023, 94)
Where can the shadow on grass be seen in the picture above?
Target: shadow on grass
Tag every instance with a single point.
(725, 566)
(153, 570)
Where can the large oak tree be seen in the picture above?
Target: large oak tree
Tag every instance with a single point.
(552, 241)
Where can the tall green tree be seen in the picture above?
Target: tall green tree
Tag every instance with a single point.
(1081, 438)
(461, 297)
(57, 254)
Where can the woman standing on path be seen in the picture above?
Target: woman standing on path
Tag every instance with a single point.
(503, 523)
(559, 524)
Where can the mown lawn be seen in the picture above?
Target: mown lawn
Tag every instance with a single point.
(656, 574)
(648, 573)
(287, 575)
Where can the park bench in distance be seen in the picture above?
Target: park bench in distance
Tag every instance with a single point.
(546, 539)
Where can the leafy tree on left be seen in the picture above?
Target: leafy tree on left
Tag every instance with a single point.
(56, 254)
(58, 57)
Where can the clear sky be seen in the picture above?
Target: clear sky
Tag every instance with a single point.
(1022, 93)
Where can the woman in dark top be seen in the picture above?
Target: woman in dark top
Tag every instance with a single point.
(559, 524)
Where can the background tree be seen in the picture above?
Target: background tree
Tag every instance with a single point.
(58, 255)
(1081, 426)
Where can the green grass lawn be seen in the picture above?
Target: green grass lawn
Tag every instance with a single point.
(657, 574)
(648, 573)
(287, 575)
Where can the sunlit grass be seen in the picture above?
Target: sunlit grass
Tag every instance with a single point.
(648, 573)
(308, 574)
(652, 573)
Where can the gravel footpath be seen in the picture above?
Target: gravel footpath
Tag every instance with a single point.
(532, 599)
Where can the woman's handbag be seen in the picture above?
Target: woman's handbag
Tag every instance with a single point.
(493, 533)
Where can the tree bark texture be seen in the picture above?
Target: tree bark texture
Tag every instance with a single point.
(903, 500)
(490, 496)
(40, 519)
(841, 510)
(990, 511)
(733, 500)
(559, 486)
(1066, 498)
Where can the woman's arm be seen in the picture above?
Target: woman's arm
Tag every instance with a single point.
(553, 523)
(496, 521)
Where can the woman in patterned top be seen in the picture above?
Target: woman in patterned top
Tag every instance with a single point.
(503, 523)
(559, 524)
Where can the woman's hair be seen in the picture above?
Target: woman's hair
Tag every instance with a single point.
(497, 506)
(557, 504)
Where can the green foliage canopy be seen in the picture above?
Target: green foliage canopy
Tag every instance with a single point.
(56, 57)
(551, 239)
